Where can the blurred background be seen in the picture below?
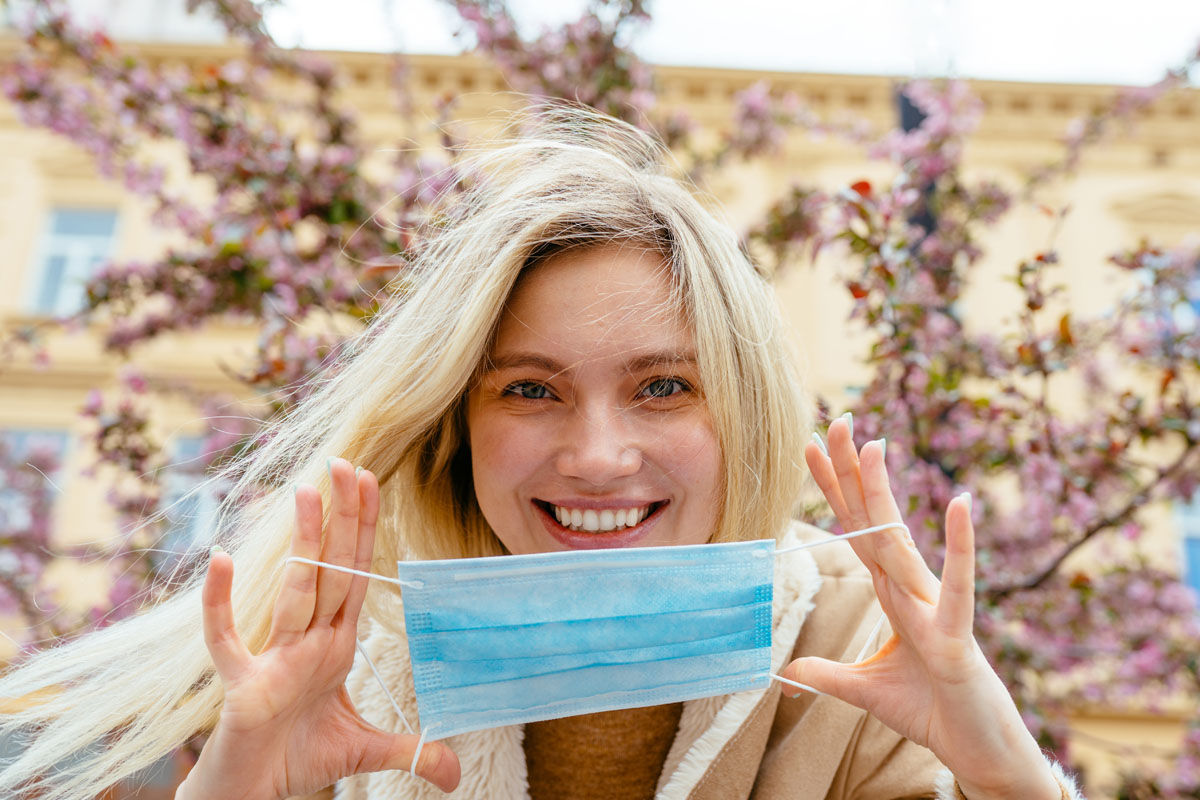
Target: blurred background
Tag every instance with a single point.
(982, 220)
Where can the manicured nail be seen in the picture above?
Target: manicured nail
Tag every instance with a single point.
(357, 471)
(850, 422)
(216, 548)
(816, 437)
(883, 446)
(967, 497)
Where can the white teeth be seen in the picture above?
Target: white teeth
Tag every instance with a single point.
(605, 520)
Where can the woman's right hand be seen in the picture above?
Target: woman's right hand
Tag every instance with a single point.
(287, 726)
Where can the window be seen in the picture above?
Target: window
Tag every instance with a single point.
(18, 497)
(1191, 309)
(77, 241)
(1189, 526)
(191, 513)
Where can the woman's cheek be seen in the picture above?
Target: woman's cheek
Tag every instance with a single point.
(690, 450)
(507, 450)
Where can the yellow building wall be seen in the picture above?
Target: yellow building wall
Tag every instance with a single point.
(1147, 184)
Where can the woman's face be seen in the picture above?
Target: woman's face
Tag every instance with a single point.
(588, 426)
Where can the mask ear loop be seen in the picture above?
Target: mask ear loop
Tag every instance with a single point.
(347, 570)
(878, 623)
(866, 648)
(417, 753)
(363, 651)
(843, 537)
(419, 584)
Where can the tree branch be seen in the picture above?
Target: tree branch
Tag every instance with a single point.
(1116, 518)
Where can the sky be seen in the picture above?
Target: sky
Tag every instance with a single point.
(1069, 41)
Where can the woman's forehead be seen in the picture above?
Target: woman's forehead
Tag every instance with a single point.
(617, 267)
(599, 302)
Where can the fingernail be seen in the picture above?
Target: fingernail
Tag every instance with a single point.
(329, 466)
(216, 548)
(850, 422)
(967, 497)
(816, 437)
(808, 689)
(357, 471)
(882, 446)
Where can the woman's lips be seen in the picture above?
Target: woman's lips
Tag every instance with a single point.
(598, 540)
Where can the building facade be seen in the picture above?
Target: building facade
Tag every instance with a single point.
(59, 220)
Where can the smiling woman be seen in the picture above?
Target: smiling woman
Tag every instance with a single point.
(583, 359)
(588, 427)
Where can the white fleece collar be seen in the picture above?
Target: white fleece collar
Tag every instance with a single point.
(493, 761)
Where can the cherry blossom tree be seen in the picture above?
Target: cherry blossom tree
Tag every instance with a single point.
(26, 501)
(298, 231)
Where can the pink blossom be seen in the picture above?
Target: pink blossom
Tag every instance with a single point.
(954, 402)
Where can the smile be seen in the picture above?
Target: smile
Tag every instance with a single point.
(596, 520)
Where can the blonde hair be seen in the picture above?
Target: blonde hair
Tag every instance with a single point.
(126, 695)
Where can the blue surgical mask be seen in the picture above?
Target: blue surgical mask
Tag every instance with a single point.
(513, 639)
(497, 641)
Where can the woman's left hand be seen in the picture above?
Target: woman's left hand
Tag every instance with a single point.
(930, 682)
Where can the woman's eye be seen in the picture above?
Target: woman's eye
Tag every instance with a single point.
(528, 390)
(664, 387)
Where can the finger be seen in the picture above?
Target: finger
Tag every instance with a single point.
(438, 764)
(844, 457)
(894, 549)
(956, 603)
(832, 485)
(368, 515)
(298, 595)
(821, 469)
(340, 538)
(843, 681)
(229, 654)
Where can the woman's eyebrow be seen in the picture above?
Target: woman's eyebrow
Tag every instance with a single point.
(521, 360)
(654, 360)
(662, 358)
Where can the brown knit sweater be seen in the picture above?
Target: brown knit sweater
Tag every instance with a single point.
(611, 755)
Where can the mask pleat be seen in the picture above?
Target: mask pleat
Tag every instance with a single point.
(559, 695)
(464, 673)
(615, 592)
(581, 636)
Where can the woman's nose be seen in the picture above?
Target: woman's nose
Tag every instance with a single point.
(597, 447)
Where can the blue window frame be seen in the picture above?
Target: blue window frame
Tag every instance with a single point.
(1189, 528)
(16, 511)
(190, 503)
(77, 241)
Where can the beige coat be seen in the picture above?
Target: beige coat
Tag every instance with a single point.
(750, 744)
